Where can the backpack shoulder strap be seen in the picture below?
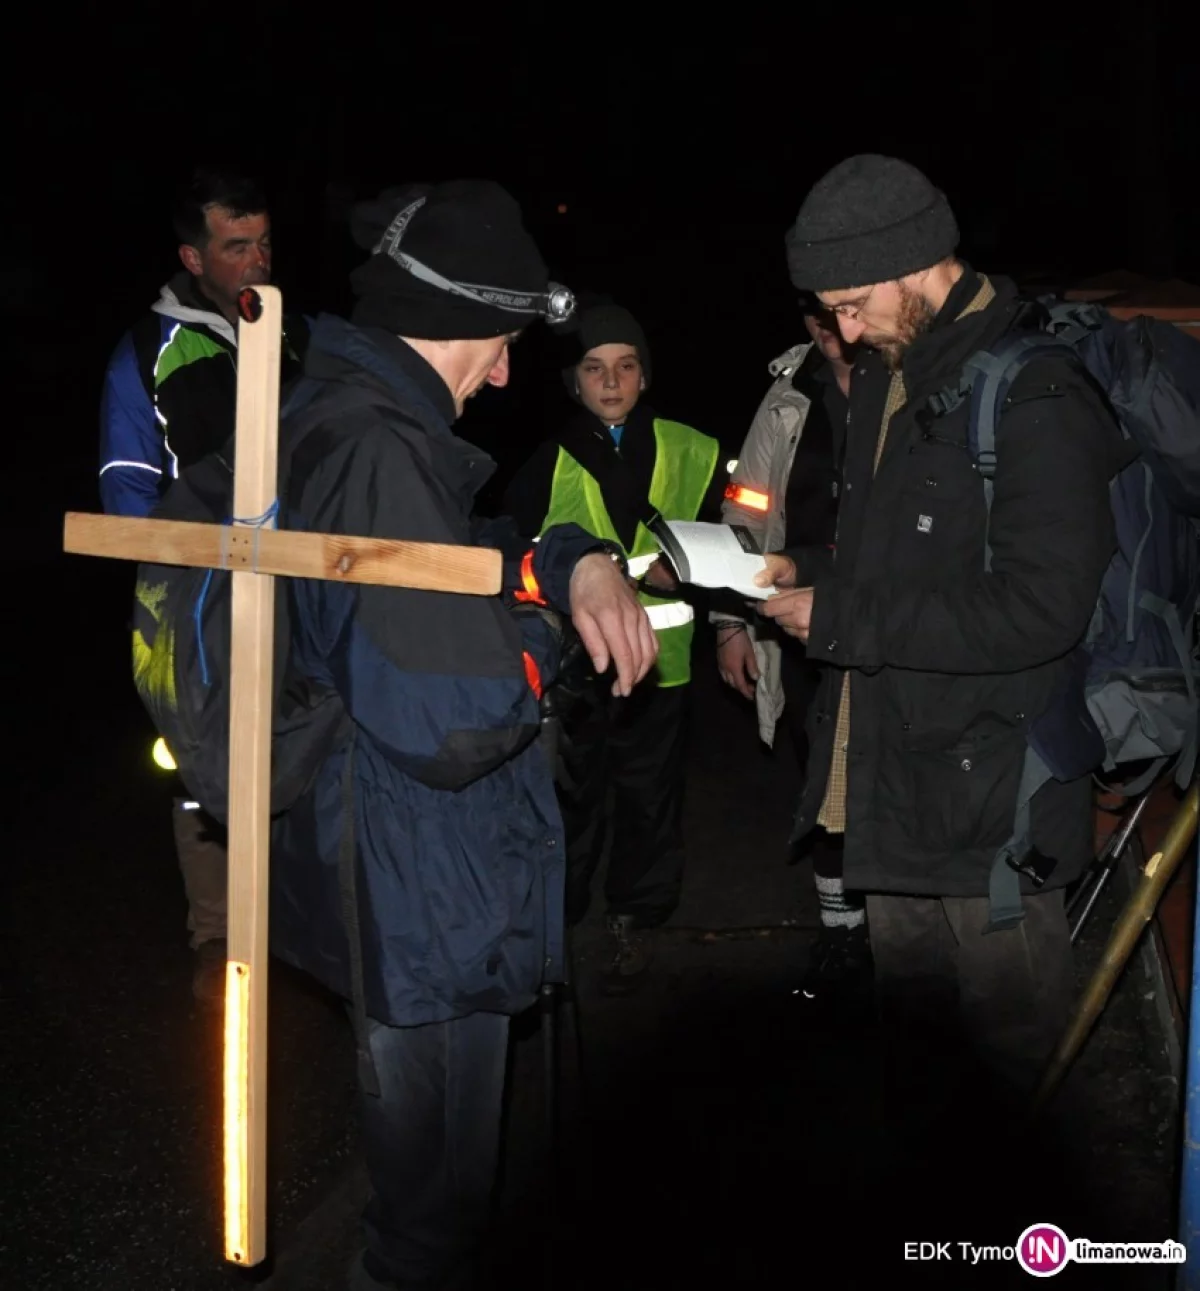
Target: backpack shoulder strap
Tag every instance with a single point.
(147, 337)
(990, 374)
(619, 484)
(984, 383)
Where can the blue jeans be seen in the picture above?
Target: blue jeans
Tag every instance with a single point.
(432, 1138)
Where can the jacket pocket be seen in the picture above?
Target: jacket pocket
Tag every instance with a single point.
(964, 797)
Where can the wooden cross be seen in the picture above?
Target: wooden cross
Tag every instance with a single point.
(256, 555)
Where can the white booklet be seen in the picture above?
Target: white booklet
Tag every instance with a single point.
(713, 555)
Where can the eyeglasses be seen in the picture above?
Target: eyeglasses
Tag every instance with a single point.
(849, 309)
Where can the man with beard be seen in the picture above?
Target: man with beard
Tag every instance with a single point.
(170, 398)
(919, 736)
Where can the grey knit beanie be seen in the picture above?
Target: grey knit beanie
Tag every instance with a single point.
(870, 219)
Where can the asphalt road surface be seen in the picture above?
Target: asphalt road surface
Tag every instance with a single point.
(711, 1131)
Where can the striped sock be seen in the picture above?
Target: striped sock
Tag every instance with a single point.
(836, 910)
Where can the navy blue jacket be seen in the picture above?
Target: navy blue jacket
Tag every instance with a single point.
(459, 838)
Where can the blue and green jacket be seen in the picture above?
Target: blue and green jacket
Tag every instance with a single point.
(170, 395)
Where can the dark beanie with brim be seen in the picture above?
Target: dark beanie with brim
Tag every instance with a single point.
(603, 324)
(870, 219)
(466, 231)
(610, 325)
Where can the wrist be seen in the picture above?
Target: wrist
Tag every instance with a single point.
(558, 553)
(615, 553)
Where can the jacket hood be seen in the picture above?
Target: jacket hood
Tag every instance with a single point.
(783, 369)
(179, 300)
(787, 363)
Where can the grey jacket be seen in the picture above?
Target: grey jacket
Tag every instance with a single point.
(764, 465)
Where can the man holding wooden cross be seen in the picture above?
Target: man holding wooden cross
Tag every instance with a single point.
(454, 824)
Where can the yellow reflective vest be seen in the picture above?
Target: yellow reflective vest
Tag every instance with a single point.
(683, 470)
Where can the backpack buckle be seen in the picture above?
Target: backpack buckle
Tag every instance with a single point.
(944, 401)
(1036, 866)
(984, 461)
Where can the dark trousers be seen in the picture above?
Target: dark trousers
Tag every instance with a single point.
(1003, 997)
(626, 765)
(432, 1138)
(800, 677)
(828, 858)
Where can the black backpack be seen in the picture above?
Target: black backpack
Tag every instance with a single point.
(1132, 697)
(181, 639)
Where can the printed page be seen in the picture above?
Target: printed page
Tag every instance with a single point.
(714, 555)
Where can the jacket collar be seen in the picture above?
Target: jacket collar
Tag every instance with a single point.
(342, 352)
(638, 425)
(339, 350)
(957, 332)
(181, 300)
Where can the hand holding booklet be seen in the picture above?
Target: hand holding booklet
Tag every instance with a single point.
(713, 555)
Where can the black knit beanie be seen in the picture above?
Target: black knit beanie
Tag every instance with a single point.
(469, 233)
(603, 324)
(870, 219)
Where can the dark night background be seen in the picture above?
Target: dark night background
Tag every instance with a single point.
(1065, 136)
(1066, 140)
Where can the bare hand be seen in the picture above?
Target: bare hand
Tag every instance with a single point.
(661, 577)
(611, 622)
(791, 610)
(780, 571)
(736, 661)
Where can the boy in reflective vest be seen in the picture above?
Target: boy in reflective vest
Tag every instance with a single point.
(614, 467)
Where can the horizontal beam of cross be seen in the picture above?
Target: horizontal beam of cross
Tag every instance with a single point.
(427, 566)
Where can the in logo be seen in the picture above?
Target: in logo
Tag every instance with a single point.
(1043, 1250)
(924, 524)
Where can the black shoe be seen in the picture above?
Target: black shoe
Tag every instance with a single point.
(630, 959)
(208, 977)
(839, 965)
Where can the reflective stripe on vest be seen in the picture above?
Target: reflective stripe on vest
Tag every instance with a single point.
(638, 565)
(683, 468)
(669, 614)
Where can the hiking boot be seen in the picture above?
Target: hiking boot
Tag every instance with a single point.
(208, 977)
(630, 960)
(839, 965)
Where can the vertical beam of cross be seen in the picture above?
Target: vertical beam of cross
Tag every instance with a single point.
(251, 654)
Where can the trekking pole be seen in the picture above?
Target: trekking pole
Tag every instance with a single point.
(1109, 857)
(1100, 861)
(1138, 912)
